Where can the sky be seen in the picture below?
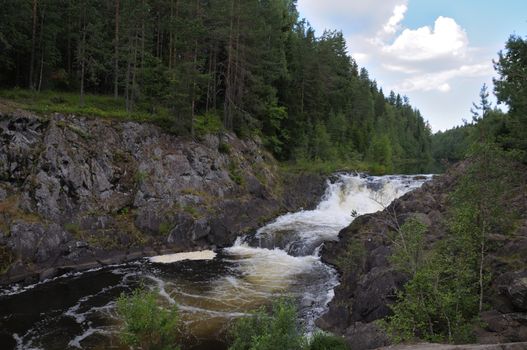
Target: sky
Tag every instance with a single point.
(437, 52)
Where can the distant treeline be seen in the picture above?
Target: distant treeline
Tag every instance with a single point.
(252, 64)
(508, 130)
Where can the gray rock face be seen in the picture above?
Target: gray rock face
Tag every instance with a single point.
(513, 286)
(370, 286)
(518, 292)
(37, 241)
(120, 186)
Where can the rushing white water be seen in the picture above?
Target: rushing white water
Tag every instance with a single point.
(280, 259)
(172, 258)
(287, 250)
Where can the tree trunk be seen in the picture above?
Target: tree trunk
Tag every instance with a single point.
(41, 50)
(116, 58)
(33, 43)
(195, 73)
(83, 65)
(68, 40)
(170, 36)
(134, 74)
(228, 77)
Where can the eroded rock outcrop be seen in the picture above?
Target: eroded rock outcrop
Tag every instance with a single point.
(76, 192)
(369, 282)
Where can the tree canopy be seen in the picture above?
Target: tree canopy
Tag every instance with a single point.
(255, 64)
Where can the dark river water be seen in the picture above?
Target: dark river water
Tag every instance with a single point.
(281, 259)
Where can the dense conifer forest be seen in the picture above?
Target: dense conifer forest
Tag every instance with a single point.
(252, 66)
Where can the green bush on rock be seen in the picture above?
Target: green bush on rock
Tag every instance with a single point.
(279, 329)
(147, 325)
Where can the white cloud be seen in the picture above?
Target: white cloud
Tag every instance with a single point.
(435, 65)
(393, 22)
(361, 58)
(369, 16)
(447, 38)
(399, 68)
(439, 81)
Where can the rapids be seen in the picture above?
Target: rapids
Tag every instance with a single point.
(211, 289)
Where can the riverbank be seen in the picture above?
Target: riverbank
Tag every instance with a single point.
(369, 282)
(80, 192)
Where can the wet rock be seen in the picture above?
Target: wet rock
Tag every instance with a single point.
(513, 285)
(47, 273)
(366, 336)
(518, 293)
(367, 290)
(374, 293)
(118, 186)
(3, 194)
(37, 243)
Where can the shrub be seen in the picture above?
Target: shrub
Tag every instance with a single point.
(235, 173)
(224, 148)
(264, 331)
(146, 324)
(6, 258)
(209, 123)
(324, 341)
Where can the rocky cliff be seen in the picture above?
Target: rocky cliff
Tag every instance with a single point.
(79, 192)
(369, 282)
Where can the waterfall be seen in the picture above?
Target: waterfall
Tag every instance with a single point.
(280, 259)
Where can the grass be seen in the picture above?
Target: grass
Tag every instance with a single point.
(235, 173)
(6, 259)
(10, 210)
(164, 228)
(191, 211)
(103, 106)
(74, 229)
(323, 167)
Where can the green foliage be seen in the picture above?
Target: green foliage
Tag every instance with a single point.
(235, 173)
(164, 228)
(279, 328)
(73, 228)
(511, 88)
(408, 243)
(208, 123)
(177, 64)
(324, 341)
(6, 258)
(433, 311)
(140, 177)
(224, 148)
(323, 167)
(353, 258)
(263, 331)
(439, 303)
(103, 106)
(448, 283)
(192, 211)
(452, 145)
(146, 324)
(511, 66)
(273, 130)
(380, 152)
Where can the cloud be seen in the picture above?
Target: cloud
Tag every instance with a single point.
(399, 68)
(439, 81)
(447, 38)
(435, 65)
(364, 16)
(393, 22)
(428, 58)
(361, 58)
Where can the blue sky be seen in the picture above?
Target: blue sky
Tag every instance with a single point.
(437, 52)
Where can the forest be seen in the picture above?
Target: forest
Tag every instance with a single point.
(253, 67)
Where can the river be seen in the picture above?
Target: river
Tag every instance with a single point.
(77, 311)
